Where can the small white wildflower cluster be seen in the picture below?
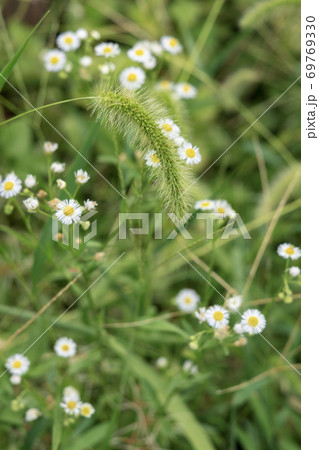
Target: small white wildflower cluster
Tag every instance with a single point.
(32, 414)
(72, 404)
(161, 362)
(180, 90)
(185, 150)
(252, 320)
(216, 206)
(189, 367)
(289, 252)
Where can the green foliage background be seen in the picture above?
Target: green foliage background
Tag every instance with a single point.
(241, 55)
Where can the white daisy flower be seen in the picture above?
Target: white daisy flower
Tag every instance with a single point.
(294, 271)
(82, 33)
(68, 211)
(201, 315)
(31, 204)
(156, 48)
(57, 167)
(68, 41)
(171, 44)
(169, 128)
(233, 303)
(150, 63)
(217, 316)
(15, 379)
(185, 90)
(164, 85)
(179, 141)
(30, 181)
(50, 147)
(223, 207)
(70, 393)
(151, 159)
(253, 321)
(204, 205)
(54, 60)
(85, 61)
(17, 364)
(90, 205)
(32, 414)
(132, 78)
(161, 362)
(10, 186)
(189, 153)
(288, 251)
(61, 183)
(187, 300)
(65, 347)
(139, 53)
(81, 176)
(107, 68)
(238, 328)
(71, 407)
(107, 49)
(95, 34)
(87, 410)
(190, 367)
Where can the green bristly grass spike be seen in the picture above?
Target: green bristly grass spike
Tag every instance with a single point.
(134, 115)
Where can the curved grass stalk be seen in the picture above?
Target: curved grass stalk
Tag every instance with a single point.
(69, 100)
(135, 116)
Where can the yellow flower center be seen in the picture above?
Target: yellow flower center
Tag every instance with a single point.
(65, 347)
(68, 210)
(221, 210)
(8, 185)
(155, 159)
(218, 315)
(17, 364)
(68, 40)
(190, 152)
(290, 251)
(71, 404)
(253, 321)
(107, 49)
(54, 60)
(188, 300)
(139, 52)
(167, 127)
(186, 87)
(205, 204)
(132, 77)
(165, 84)
(85, 411)
(173, 42)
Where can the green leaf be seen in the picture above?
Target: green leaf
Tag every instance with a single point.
(6, 71)
(176, 408)
(57, 427)
(87, 440)
(262, 10)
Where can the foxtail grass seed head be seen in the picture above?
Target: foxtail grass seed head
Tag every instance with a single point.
(136, 116)
(288, 251)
